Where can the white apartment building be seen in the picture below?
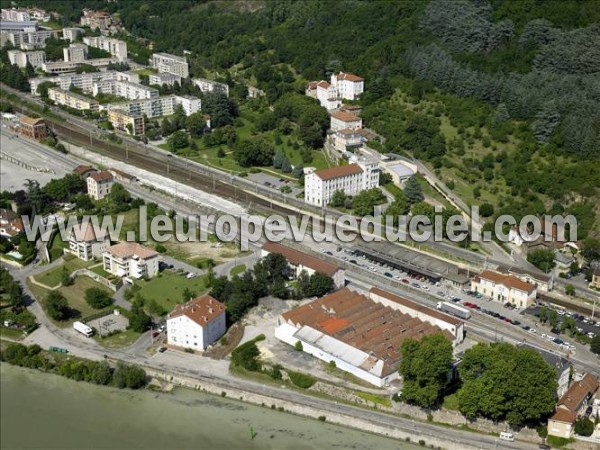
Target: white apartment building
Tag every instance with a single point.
(157, 106)
(16, 15)
(132, 260)
(342, 120)
(164, 62)
(115, 47)
(196, 324)
(35, 58)
(320, 185)
(87, 243)
(83, 81)
(346, 139)
(72, 100)
(504, 288)
(347, 85)
(60, 67)
(165, 78)
(131, 91)
(72, 33)
(99, 184)
(75, 53)
(327, 95)
(210, 85)
(27, 40)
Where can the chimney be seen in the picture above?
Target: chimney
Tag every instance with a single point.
(210, 310)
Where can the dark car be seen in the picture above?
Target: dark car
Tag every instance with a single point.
(353, 261)
(389, 275)
(162, 349)
(329, 253)
(516, 322)
(526, 327)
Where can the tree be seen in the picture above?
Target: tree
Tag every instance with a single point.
(385, 178)
(187, 295)
(504, 382)
(595, 344)
(254, 152)
(570, 290)
(101, 373)
(220, 108)
(543, 315)
(65, 277)
(553, 318)
(57, 305)
(543, 259)
(139, 321)
(424, 368)
(298, 346)
(338, 199)
(413, 190)
(177, 140)
(98, 298)
(591, 248)
(584, 426)
(118, 199)
(486, 210)
(320, 284)
(195, 124)
(126, 376)
(365, 201)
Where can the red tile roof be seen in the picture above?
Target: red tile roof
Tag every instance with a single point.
(201, 310)
(130, 249)
(298, 258)
(323, 84)
(32, 121)
(101, 176)
(506, 280)
(82, 169)
(564, 415)
(339, 171)
(578, 392)
(86, 232)
(345, 116)
(348, 77)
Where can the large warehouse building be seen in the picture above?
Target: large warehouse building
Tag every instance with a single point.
(361, 334)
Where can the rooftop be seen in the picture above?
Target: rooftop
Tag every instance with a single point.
(360, 323)
(86, 232)
(131, 249)
(578, 392)
(82, 169)
(344, 116)
(297, 258)
(506, 280)
(201, 310)
(348, 77)
(339, 171)
(101, 176)
(564, 415)
(32, 121)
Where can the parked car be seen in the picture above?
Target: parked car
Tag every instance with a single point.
(162, 349)
(155, 333)
(389, 275)
(405, 281)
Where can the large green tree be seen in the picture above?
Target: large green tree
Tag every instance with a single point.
(504, 382)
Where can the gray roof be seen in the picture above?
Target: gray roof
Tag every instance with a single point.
(563, 258)
(402, 170)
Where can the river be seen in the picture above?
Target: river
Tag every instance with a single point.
(51, 412)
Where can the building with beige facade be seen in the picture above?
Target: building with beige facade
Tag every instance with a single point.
(99, 184)
(87, 243)
(131, 260)
(72, 100)
(504, 288)
(127, 122)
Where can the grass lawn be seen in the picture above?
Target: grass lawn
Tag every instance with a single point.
(56, 247)
(375, 398)
(100, 271)
(53, 277)
(11, 333)
(167, 288)
(237, 269)
(146, 71)
(451, 402)
(123, 339)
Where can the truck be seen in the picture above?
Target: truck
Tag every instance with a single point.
(454, 310)
(83, 328)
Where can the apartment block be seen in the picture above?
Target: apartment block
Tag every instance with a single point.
(83, 81)
(210, 85)
(115, 47)
(99, 184)
(72, 100)
(87, 243)
(16, 15)
(131, 260)
(165, 78)
(127, 122)
(28, 26)
(28, 40)
(75, 53)
(341, 120)
(347, 85)
(131, 91)
(35, 58)
(320, 185)
(72, 33)
(164, 62)
(158, 106)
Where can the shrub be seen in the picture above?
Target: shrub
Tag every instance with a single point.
(301, 380)
(322, 418)
(98, 298)
(298, 346)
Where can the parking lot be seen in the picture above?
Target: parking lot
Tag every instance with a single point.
(109, 323)
(274, 182)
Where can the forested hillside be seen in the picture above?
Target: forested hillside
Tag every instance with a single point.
(502, 97)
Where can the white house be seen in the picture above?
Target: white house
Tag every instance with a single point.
(130, 259)
(197, 323)
(99, 184)
(164, 62)
(341, 120)
(87, 243)
(504, 288)
(327, 95)
(206, 85)
(320, 185)
(35, 58)
(347, 85)
(299, 261)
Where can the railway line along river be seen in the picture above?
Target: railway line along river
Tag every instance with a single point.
(47, 411)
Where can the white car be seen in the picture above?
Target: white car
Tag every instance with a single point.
(372, 269)
(425, 288)
(532, 330)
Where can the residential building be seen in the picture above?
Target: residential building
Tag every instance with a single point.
(99, 184)
(320, 185)
(33, 128)
(39, 14)
(563, 260)
(254, 92)
(347, 85)
(72, 100)
(299, 261)
(561, 366)
(72, 33)
(27, 40)
(15, 15)
(126, 89)
(10, 223)
(130, 123)
(210, 85)
(115, 47)
(86, 242)
(157, 106)
(327, 95)
(164, 78)
(21, 59)
(164, 62)
(60, 67)
(84, 171)
(504, 288)
(361, 335)
(122, 177)
(596, 279)
(544, 283)
(75, 53)
(83, 81)
(571, 405)
(196, 324)
(23, 26)
(341, 120)
(189, 104)
(132, 260)
(347, 139)
(102, 20)
(352, 109)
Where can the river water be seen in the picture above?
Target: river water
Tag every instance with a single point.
(50, 412)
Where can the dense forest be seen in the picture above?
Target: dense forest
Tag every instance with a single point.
(503, 96)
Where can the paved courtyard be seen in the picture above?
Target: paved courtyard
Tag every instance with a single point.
(109, 323)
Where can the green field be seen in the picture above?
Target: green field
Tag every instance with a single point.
(237, 269)
(56, 247)
(53, 277)
(123, 339)
(167, 288)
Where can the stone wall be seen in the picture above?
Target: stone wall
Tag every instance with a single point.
(99, 278)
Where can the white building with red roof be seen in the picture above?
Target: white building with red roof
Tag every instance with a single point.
(347, 85)
(87, 243)
(132, 260)
(10, 223)
(504, 288)
(99, 184)
(197, 323)
(342, 120)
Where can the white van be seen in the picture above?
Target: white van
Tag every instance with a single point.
(506, 436)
